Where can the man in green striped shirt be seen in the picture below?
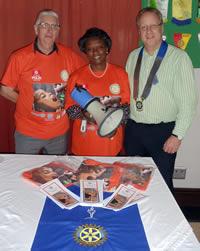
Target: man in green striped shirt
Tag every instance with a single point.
(160, 115)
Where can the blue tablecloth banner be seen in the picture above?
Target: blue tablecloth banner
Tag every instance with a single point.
(89, 229)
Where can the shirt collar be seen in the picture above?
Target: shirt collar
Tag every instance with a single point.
(55, 47)
(153, 56)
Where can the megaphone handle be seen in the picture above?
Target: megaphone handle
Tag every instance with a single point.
(88, 117)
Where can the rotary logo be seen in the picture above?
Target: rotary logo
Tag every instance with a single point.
(115, 88)
(90, 235)
(64, 75)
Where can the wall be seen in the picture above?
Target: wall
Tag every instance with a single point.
(16, 30)
(190, 150)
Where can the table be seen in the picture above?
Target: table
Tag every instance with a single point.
(21, 204)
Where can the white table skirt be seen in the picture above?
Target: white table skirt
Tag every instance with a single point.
(21, 204)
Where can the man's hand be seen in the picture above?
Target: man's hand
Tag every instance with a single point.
(8, 93)
(172, 144)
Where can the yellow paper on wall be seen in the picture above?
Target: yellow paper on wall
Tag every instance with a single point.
(182, 11)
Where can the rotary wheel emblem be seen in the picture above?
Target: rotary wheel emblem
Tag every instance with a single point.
(90, 235)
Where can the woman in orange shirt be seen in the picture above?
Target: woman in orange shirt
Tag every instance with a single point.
(101, 79)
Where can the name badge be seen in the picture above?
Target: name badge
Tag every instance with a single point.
(83, 125)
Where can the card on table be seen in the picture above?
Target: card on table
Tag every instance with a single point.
(91, 192)
(62, 196)
(119, 198)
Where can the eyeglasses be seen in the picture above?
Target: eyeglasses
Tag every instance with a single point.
(152, 27)
(49, 26)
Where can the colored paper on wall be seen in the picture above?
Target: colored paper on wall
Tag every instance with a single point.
(181, 40)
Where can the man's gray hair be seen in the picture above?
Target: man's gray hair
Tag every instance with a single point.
(45, 12)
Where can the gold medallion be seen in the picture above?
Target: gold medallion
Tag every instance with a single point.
(139, 105)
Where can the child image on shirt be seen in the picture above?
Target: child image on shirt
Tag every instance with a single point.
(48, 97)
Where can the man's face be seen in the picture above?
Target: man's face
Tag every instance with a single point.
(47, 31)
(150, 30)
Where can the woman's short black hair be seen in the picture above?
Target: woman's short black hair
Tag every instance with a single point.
(94, 32)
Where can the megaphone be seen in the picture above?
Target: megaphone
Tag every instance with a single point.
(107, 119)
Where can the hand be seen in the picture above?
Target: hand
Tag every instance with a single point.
(89, 118)
(172, 144)
(110, 101)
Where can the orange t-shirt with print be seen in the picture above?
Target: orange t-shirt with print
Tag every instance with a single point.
(41, 81)
(113, 83)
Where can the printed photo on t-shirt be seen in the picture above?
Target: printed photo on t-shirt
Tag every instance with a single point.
(48, 97)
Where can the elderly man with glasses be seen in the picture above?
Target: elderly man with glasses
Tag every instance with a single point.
(163, 96)
(42, 65)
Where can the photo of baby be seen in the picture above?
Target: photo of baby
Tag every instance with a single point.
(117, 202)
(48, 97)
(90, 195)
(64, 198)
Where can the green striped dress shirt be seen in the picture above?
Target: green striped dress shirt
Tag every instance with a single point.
(173, 95)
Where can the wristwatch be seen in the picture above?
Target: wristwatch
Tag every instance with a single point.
(179, 137)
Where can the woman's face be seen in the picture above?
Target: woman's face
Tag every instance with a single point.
(96, 51)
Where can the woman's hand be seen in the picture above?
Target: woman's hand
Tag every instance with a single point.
(88, 117)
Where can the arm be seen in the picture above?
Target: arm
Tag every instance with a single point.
(74, 112)
(10, 79)
(73, 109)
(185, 96)
(8, 93)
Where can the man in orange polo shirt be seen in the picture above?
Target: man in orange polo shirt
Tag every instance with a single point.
(35, 79)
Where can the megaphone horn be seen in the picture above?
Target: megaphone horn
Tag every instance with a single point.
(107, 119)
